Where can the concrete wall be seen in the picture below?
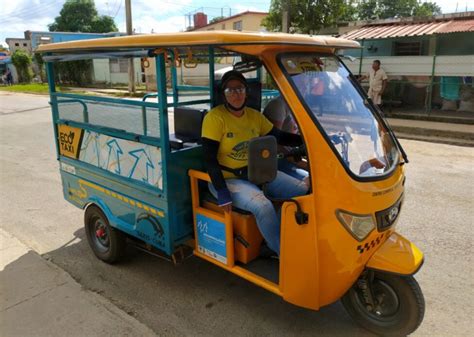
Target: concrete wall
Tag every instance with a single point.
(194, 76)
(456, 65)
(455, 44)
(250, 22)
(102, 72)
(38, 38)
(23, 44)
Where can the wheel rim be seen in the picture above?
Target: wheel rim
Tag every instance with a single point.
(100, 235)
(387, 303)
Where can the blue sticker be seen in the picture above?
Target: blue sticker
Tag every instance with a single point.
(211, 238)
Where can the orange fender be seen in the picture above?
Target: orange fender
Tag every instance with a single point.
(397, 255)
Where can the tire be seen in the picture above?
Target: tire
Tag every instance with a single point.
(107, 243)
(398, 314)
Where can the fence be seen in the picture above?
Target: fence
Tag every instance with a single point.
(425, 81)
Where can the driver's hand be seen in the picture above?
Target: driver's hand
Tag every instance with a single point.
(307, 182)
(374, 162)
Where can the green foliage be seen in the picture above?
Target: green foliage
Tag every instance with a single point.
(427, 9)
(217, 18)
(310, 16)
(103, 24)
(79, 16)
(74, 72)
(384, 9)
(82, 16)
(35, 88)
(38, 58)
(22, 62)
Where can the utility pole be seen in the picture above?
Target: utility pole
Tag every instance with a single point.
(131, 71)
(285, 17)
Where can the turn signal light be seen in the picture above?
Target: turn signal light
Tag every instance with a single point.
(359, 226)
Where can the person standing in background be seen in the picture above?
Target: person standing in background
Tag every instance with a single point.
(377, 82)
(9, 77)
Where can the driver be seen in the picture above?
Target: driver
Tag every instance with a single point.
(226, 131)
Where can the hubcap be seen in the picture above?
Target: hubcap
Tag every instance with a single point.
(386, 301)
(101, 237)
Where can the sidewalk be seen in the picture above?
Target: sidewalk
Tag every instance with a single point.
(39, 299)
(437, 132)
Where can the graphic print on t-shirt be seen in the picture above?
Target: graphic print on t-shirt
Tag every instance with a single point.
(239, 152)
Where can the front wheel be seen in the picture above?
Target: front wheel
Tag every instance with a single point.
(386, 304)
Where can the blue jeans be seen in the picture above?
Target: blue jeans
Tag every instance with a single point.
(292, 169)
(249, 197)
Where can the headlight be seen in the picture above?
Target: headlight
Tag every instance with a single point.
(387, 217)
(359, 226)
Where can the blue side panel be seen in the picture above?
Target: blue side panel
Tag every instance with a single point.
(133, 208)
(179, 191)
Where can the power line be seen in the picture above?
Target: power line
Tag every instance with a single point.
(118, 9)
(27, 11)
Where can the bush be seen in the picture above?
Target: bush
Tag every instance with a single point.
(22, 62)
(74, 72)
(40, 63)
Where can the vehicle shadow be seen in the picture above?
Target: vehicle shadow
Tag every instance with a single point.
(195, 298)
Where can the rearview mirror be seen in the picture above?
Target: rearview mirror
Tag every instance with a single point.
(262, 160)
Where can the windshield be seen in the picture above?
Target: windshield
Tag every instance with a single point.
(331, 97)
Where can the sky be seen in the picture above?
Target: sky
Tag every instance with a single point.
(149, 16)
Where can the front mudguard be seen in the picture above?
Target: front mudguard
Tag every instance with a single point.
(397, 255)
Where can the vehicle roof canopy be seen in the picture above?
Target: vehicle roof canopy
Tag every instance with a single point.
(185, 40)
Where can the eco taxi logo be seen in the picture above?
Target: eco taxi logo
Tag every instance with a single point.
(69, 140)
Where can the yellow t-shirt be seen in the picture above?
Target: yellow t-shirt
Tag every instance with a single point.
(233, 133)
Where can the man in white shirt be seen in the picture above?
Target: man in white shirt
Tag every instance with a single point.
(377, 82)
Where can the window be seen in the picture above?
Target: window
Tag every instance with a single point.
(237, 25)
(407, 48)
(24, 44)
(118, 65)
(331, 97)
(43, 40)
(17, 44)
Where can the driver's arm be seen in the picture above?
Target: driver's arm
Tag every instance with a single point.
(210, 148)
(286, 138)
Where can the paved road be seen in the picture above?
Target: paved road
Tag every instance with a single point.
(198, 299)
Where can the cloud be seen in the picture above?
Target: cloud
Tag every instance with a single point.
(148, 23)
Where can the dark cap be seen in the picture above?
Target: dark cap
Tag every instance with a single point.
(232, 75)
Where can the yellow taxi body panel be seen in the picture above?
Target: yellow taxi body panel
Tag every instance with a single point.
(397, 255)
(321, 260)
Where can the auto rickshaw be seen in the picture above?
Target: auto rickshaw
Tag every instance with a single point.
(140, 181)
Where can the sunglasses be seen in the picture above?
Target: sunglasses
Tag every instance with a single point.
(233, 91)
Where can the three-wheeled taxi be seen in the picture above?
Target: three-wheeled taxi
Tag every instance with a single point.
(135, 166)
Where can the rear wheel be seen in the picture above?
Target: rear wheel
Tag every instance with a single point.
(107, 243)
(396, 307)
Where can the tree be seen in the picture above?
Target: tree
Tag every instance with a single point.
(217, 18)
(384, 9)
(79, 16)
(427, 9)
(82, 16)
(309, 16)
(38, 58)
(22, 62)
